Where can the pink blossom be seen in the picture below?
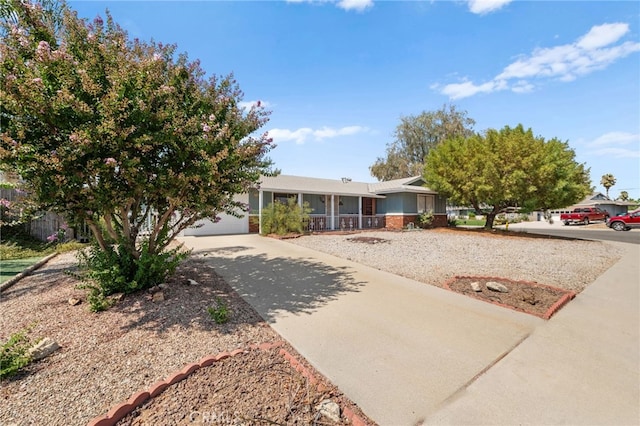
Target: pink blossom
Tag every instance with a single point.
(4, 202)
(37, 80)
(43, 50)
(156, 57)
(206, 128)
(212, 117)
(110, 161)
(53, 237)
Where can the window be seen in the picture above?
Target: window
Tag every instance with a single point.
(283, 198)
(426, 203)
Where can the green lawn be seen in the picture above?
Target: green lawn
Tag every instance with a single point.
(10, 268)
(470, 222)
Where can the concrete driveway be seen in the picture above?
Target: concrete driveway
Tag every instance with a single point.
(409, 353)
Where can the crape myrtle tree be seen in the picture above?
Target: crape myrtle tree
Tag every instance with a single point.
(112, 132)
(507, 168)
(415, 136)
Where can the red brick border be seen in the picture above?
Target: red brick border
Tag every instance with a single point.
(564, 299)
(123, 409)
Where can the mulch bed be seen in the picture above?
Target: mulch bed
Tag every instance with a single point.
(532, 298)
(258, 387)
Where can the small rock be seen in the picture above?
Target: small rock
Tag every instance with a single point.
(163, 286)
(492, 285)
(193, 282)
(476, 286)
(117, 297)
(154, 289)
(43, 349)
(329, 409)
(158, 296)
(73, 301)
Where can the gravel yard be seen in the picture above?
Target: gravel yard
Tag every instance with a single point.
(437, 255)
(107, 357)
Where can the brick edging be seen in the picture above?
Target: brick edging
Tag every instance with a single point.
(121, 410)
(564, 299)
(11, 281)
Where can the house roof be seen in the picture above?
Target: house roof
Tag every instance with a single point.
(599, 198)
(309, 185)
(410, 184)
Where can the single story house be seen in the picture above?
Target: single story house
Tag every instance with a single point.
(598, 199)
(336, 204)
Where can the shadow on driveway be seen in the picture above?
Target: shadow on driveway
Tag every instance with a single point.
(270, 285)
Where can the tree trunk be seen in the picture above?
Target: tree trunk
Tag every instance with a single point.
(490, 217)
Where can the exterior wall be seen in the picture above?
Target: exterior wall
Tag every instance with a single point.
(315, 203)
(401, 221)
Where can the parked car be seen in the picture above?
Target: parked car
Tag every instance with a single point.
(624, 222)
(584, 215)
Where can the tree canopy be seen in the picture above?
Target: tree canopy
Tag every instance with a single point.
(119, 133)
(415, 136)
(507, 168)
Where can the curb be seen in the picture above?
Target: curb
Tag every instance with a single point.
(121, 410)
(563, 300)
(11, 281)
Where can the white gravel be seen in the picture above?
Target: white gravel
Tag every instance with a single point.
(435, 256)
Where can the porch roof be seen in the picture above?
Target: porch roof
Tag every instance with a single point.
(309, 185)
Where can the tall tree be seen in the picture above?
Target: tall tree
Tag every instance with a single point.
(415, 136)
(624, 196)
(507, 168)
(608, 181)
(118, 133)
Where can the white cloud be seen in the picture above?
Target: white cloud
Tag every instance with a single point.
(602, 35)
(357, 5)
(482, 7)
(302, 134)
(612, 145)
(616, 138)
(591, 52)
(249, 104)
(616, 153)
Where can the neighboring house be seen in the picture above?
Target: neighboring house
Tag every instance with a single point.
(600, 200)
(337, 204)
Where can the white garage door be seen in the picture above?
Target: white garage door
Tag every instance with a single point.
(227, 224)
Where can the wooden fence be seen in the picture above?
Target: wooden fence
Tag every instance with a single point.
(44, 224)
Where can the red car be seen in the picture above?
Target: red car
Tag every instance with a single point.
(624, 222)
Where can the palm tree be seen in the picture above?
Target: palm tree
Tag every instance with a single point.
(624, 196)
(608, 181)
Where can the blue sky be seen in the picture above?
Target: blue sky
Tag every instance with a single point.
(338, 76)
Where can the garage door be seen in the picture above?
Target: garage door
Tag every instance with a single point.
(227, 225)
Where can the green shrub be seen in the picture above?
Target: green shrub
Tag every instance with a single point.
(14, 354)
(425, 219)
(452, 222)
(472, 215)
(279, 218)
(115, 270)
(221, 313)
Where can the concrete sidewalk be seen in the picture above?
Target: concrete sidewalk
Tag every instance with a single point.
(407, 352)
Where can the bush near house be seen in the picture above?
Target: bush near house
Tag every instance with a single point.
(281, 219)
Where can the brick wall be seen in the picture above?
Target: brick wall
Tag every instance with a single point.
(254, 225)
(399, 222)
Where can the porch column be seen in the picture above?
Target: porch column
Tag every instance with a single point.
(300, 199)
(333, 212)
(360, 212)
(260, 211)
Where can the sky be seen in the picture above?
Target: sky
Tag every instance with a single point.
(339, 75)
